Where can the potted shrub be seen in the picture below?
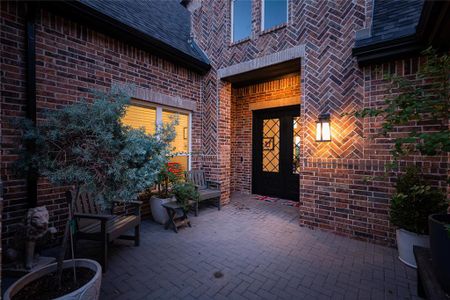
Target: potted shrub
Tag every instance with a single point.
(85, 144)
(185, 192)
(169, 174)
(439, 226)
(411, 205)
(411, 102)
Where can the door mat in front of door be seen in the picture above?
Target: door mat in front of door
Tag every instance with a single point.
(276, 200)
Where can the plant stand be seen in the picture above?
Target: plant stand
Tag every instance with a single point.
(427, 284)
(175, 220)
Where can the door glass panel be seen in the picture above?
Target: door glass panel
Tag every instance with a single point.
(296, 146)
(271, 145)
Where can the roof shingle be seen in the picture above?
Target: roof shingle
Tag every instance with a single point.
(393, 19)
(164, 20)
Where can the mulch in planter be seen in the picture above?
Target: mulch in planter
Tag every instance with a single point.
(46, 287)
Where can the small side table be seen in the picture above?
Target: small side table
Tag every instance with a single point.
(176, 221)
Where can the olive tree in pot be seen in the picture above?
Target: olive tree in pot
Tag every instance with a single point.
(411, 205)
(86, 145)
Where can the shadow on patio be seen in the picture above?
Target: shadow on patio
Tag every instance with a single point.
(261, 253)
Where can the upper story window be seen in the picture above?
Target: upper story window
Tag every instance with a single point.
(241, 19)
(274, 13)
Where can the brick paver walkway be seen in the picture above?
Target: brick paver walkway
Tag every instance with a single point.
(261, 252)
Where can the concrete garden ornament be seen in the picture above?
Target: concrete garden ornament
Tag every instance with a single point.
(33, 229)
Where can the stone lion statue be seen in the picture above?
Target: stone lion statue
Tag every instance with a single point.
(35, 227)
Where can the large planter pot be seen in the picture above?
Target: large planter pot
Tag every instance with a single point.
(159, 213)
(89, 291)
(405, 242)
(440, 248)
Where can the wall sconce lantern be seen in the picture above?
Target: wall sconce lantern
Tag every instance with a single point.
(323, 128)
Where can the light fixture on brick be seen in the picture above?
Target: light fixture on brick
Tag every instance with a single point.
(323, 128)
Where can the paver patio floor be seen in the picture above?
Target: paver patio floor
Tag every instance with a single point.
(262, 253)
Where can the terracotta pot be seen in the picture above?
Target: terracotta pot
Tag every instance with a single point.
(440, 248)
(405, 242)
(89, 291)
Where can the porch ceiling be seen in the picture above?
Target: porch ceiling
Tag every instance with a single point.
(266, 73)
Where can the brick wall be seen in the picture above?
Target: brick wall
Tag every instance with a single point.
(287, 89)
(332, 82)
(352, 196)
(70, 60)
(334, 192)
(12, 59)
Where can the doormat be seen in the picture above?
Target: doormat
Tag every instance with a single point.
(276, 200)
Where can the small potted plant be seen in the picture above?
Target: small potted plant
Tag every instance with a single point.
(184, 192)
(411, 205)
(169, 175)
(439, 226)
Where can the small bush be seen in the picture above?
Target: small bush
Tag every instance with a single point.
(184, 191)
(414, 201)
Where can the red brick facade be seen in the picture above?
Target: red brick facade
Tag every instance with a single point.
(334, 192)
(70, 60)
(285, 90)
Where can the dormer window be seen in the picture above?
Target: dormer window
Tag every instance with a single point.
(274, 13)
(241, 19)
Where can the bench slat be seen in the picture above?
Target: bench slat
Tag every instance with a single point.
(91, 219)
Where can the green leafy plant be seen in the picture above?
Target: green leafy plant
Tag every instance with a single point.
(414, 201)
(425, 103)
(185, 191)
(86, 144)
(420, 99)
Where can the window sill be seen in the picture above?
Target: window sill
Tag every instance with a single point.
(272, 29)
(240, 41)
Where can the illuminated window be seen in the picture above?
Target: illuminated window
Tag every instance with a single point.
(141, 117)
(180, 145)
(147, 117)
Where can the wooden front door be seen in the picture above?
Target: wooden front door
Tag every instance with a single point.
(276, 152)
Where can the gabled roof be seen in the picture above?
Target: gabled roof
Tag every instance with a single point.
(165, 20)
(162, 27)
(392, 19)
(403, 27)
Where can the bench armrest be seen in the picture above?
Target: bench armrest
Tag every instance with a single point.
(214, 184)
(93, 216)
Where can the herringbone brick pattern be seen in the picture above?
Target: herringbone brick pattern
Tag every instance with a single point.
(339, 199)
(261, 252)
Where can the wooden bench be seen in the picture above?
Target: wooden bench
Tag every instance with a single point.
(427, 283)
(96, 225)
(207, 189)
